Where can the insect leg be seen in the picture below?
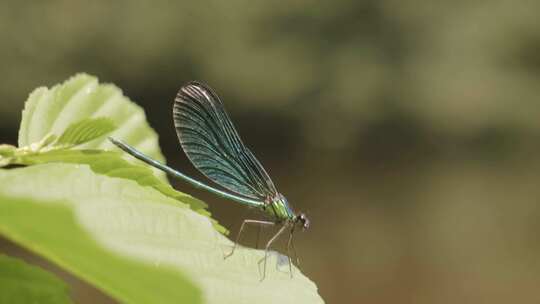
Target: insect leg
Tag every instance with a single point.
(289, 244)
(268, 246)
(254, 222)
(295, 254)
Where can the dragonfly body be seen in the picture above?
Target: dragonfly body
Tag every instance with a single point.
(281, 209)
(212, 144)
(276, 207)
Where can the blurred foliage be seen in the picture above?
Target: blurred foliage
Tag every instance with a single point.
(330, 69)
(389, 122)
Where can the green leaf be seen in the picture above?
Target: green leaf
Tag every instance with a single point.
(50, 225)
(24, 283)
(134, 242)
(7, 150)
(54, 110)
(85, 131)
(111, 164)
(6, 154)
(44, 117)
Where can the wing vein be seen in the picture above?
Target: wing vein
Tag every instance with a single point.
(213, 145)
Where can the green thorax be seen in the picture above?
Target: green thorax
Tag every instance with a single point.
(280, 209)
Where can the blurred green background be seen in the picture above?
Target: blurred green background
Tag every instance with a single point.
(408, 131)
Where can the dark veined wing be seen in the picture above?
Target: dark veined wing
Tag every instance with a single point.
(213, 145)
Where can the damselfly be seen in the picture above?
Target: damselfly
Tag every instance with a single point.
(212, 144)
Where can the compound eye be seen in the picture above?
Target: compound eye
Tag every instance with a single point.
(305, 221)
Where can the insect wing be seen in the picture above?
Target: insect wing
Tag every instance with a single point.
(213, 145)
